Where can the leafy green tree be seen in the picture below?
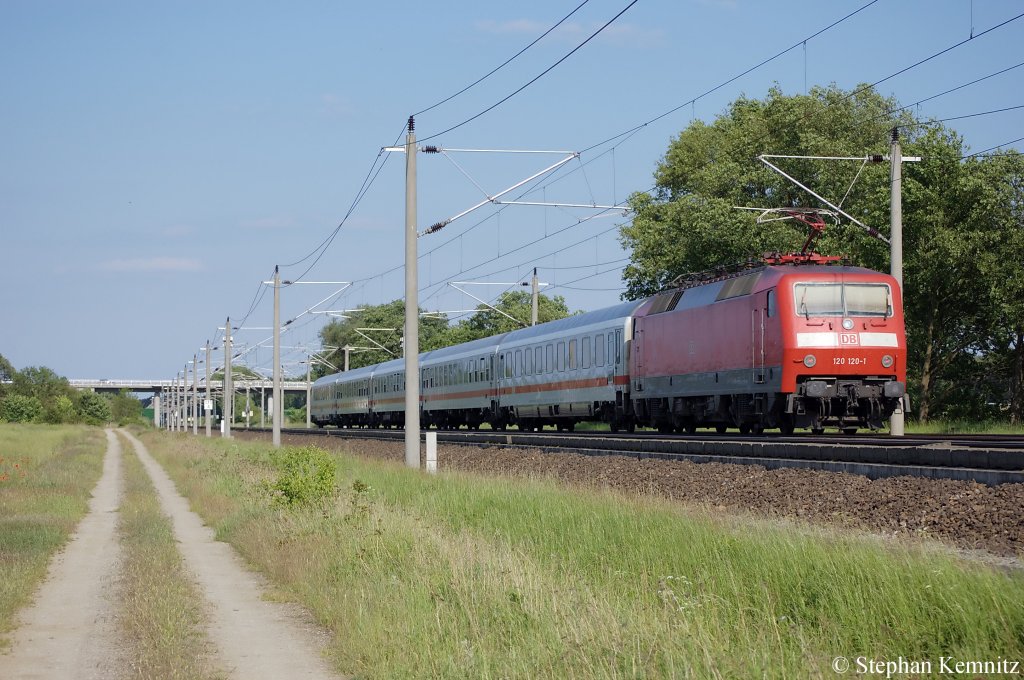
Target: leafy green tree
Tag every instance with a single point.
(60, 409)
(690, 222)
(515, 304)
(1001, 259)
(961, 220)
(434, 333)
(125, 409)
(94, 409)
(42, 383)
(18, 408)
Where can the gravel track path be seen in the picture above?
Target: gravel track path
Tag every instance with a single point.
(254, 638)
(71, 630)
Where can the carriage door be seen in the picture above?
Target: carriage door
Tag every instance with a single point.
(757, 338)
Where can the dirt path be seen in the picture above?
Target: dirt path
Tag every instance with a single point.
(71, 630)
(254, 638)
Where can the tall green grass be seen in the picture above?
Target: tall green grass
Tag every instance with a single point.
(965, 427)
(46, 476)
(462, 576)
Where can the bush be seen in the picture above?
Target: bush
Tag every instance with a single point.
(305, 475)
(95, 409)
(16, 408)
(60, 410)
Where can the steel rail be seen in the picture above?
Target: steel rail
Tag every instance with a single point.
(873, 457)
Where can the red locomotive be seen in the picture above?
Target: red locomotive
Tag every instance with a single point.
(785, 345)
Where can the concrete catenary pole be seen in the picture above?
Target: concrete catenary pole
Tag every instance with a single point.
(277, 359)
(309, 392)
(412, 331)
(195, 393)
(348, 350)
(170, 403)
(174, 405)
(896, 423)
(184, 399)
(208, 405)
(229, 389)
(536, 298)
(156, 410)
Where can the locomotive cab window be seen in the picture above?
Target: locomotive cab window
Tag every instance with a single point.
(843, 299)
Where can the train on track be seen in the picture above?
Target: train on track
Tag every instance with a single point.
(796, 342)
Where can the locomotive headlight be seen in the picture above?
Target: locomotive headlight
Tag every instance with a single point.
(848, 324)
(888, 361)
(810, 360)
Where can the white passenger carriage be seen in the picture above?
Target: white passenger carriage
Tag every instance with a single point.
(566, 371)
(343, 399)
(457, 386)
(387, 394)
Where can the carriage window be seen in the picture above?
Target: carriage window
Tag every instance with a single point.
(550, 361)
(527, 361)
(772, 311)
(518, 364)
(508, 364)
(560, 356)
(599, 350)
(585, 358)
(618, 346)
(572, 354)
(538, 359)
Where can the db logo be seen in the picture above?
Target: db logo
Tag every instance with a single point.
(849, 339)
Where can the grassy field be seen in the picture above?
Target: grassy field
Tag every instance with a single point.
(46, 476)
(162, 609)
(460, 576)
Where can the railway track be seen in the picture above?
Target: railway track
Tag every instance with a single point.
(991, 460)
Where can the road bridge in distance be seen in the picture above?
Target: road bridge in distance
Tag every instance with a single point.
(160, 386)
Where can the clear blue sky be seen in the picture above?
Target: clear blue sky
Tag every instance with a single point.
(158, 159)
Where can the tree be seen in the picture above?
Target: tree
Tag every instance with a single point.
(516, 304)
(42, 383)
(960, 244)
(1001, 259)
(18, 408)
(124, 408)
(94, 409)
(690, 223)
(434, 333)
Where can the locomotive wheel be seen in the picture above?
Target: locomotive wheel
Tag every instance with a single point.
(849, 430)
(817, 430)
(757, 428)
(721, 429)
(690, 427)
(631, 427)
(786, 427)
(745, 428)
